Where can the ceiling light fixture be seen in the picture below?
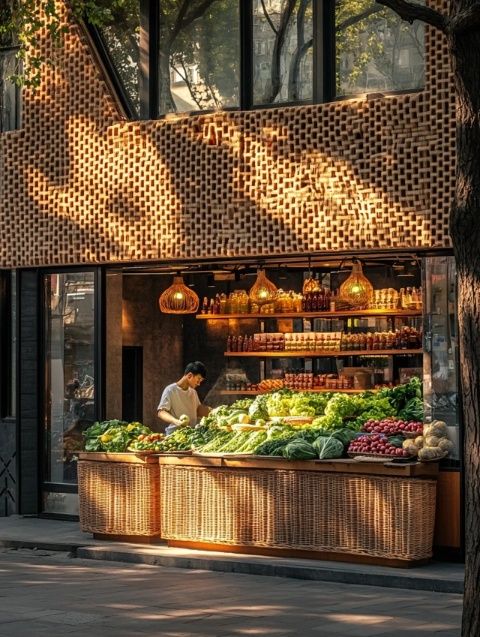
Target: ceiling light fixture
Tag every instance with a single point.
(357, 290)
(263, 290)
(178, 298)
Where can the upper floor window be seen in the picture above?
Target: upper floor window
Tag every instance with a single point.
(376, 51)
(202, 55)
(199, 48)
(9, 91)
(282, 45)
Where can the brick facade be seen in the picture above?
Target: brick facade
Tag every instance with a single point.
(78, 184)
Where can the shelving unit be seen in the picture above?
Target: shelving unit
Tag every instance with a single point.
(264, 356)
(314, 315)
(323, 390)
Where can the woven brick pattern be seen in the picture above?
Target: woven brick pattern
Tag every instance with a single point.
(378, 516)
(118, 498)
(79, 185)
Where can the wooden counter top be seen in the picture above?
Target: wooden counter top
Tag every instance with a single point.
(347, 465)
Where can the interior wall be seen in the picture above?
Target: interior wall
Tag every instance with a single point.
(113, 385)
(160, 336)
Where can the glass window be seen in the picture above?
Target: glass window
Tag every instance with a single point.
(69, 370)
(199, 55)
(376, 51)
(9, 92)
(122, 39)
(282, 51)
(440, 362)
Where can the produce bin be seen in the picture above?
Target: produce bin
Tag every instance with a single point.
(329, 510)
(119, 495)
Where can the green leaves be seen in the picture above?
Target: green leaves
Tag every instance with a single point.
(27, 23)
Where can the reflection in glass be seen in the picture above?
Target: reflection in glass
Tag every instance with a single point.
(199, 55)
(9, 92)
(282, 51)
(69, 370)
(376, 50)
(441, 343)
(122, 40)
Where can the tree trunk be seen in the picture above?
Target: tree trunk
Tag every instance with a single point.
(465, 234)
(166, 102)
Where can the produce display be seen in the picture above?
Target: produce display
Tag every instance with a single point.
(114, 436)
(378, 444)
(295, 426)
(433, 444)
(393, 426)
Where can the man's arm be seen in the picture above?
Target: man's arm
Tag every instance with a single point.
(167, 417)
(203, 410)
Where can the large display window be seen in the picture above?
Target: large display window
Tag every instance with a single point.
(69, 369)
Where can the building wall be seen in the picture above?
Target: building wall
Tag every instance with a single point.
(80, 185)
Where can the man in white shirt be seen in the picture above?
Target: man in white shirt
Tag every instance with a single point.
(181, 398)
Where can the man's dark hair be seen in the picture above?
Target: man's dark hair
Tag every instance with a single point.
(196, 368)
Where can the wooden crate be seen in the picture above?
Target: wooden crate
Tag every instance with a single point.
(119, 495)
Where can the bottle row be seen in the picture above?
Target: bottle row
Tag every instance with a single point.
(404, 338)
(321, 300)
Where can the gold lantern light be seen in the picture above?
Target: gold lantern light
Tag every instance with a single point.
(263, 291)
(357, 290)
(178, 298)
(310, 284)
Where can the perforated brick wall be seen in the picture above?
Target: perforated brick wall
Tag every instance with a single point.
(80, 185)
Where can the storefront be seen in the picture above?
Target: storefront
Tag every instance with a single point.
(99, 211)
(106, 350)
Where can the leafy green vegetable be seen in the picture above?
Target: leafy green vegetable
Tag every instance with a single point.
(413, 410)
(258, 408)
(328, 447)
(299, 450)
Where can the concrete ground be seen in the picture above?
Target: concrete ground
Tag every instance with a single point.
(46, 593)
(31, 532)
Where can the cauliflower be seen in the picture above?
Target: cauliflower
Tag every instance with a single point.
(431, 441)
(446, 445)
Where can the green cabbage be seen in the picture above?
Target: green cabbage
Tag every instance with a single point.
(328, 447)
(299, 450)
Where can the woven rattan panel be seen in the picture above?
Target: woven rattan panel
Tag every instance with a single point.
(300, 510)
(118, 498)
(79, 185)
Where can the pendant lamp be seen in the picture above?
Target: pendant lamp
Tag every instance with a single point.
(357, 290)
(178, 298)
(263, 290)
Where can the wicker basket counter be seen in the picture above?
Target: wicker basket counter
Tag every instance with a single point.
(343, 509)
(119, 496)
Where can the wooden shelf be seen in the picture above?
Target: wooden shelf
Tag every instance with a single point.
(313, 315)
(325, 353)
(323, 390)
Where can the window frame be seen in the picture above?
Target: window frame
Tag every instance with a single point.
(323, 60)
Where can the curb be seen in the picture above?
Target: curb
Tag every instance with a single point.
(312, 573)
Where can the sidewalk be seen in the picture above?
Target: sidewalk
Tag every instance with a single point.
(59, 535)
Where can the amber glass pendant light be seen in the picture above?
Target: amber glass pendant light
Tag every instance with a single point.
(178, 298)
(263, 290)
(357, 290)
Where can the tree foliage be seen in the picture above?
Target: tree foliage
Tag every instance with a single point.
(199, 43)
